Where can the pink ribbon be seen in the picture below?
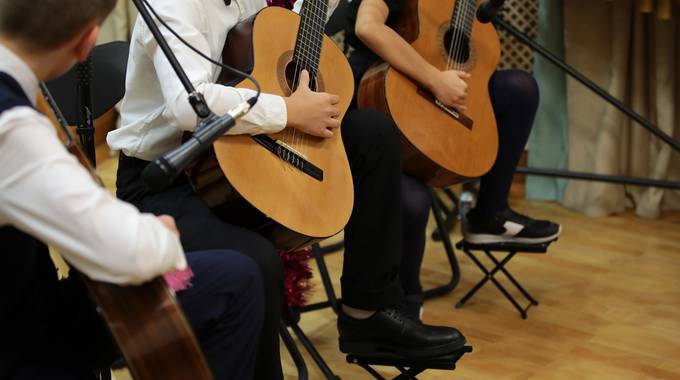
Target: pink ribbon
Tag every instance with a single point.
(179, 280)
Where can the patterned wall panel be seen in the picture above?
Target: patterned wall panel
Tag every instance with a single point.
(523, 14)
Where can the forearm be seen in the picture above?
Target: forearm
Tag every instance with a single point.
(393, 49)
(46, 193)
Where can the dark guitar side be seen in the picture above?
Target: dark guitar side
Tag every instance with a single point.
(145, 320)
(151, 331)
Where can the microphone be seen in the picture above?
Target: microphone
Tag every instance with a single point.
(488, 10)
(160, 173)
(85, 127)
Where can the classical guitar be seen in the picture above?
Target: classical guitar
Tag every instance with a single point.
(291, 187)
(145, 320)
(441, 146)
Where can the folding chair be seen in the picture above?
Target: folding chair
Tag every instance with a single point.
(511, 250)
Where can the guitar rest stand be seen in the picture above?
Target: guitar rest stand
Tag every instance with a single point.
(409, 368)
(511, 249)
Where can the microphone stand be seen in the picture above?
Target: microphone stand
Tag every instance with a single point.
(628, 111)
(162, 171)
(196, 99)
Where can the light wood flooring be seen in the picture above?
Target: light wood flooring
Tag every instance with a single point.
(609, 293)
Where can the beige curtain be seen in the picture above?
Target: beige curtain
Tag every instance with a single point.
(118, 26)
(631, 49)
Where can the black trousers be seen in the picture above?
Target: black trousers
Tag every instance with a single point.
(370, 278)
(224, 305)
(201, 229)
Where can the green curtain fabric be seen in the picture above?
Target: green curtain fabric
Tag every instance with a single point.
(548, 144)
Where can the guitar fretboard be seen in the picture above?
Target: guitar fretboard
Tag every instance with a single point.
(310, 36)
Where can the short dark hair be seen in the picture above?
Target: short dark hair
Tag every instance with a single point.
(48, 24)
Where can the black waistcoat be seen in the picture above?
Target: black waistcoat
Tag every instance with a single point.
(29, 289)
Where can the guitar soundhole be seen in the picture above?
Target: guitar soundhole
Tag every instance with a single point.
(457, 45)
(293, 70)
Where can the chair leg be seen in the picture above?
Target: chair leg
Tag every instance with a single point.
(448, 248)
(490, 276)
(295, 353)
(513, 280)
(451, 216)
(316, 356)
(326, 277)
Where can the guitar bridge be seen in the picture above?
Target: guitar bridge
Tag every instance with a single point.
(290, 155)
(290, 148)
(450, 110)
(466, 121)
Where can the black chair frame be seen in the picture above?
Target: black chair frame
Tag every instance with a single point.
(332, 301)
(499, 266)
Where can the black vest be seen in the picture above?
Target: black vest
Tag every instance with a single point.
(29, 289)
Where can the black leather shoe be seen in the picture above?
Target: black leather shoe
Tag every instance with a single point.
(391, 331)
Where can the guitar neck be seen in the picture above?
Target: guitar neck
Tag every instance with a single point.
(310, 35)
(463, 17)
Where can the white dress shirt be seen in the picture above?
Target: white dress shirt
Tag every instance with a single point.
(46, 193)
(155, 111)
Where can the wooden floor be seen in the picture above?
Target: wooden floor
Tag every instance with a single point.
(609, 293)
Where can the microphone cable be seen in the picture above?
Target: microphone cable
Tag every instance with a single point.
(253, 100)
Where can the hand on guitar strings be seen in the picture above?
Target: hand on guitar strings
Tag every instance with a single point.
(314, 113)
(450, 87)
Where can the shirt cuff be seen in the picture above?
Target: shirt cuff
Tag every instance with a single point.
(277, 113)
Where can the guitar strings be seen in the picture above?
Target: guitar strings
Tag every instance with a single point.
(455, 35)
(303, 59)
(458, 41)
(311, 50)
(463, 35)
(299, 48)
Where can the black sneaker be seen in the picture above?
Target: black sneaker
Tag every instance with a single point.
(391, 332)
(509, 227)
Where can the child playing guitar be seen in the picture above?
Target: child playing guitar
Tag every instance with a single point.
(49, 328)
(514, 96)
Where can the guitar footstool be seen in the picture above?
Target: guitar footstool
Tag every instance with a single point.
(409, 368)
(499, 266)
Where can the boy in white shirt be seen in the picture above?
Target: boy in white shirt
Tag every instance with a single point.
(155, 114)
(48, 328)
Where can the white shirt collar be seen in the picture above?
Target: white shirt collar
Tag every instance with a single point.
(11, 64)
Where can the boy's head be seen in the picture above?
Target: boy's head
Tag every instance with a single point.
(46, 26)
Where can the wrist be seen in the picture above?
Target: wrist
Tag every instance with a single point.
(290, 111)
(432, 78)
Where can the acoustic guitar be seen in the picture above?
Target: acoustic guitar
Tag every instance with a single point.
(145, 320)
(291, 187)
(441, 146)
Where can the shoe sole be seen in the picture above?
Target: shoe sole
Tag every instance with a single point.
(496, 239)
(379, 349)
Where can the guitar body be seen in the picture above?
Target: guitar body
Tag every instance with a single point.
(252, 186)
(151, 331)
(145, 320)
(438, 149)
